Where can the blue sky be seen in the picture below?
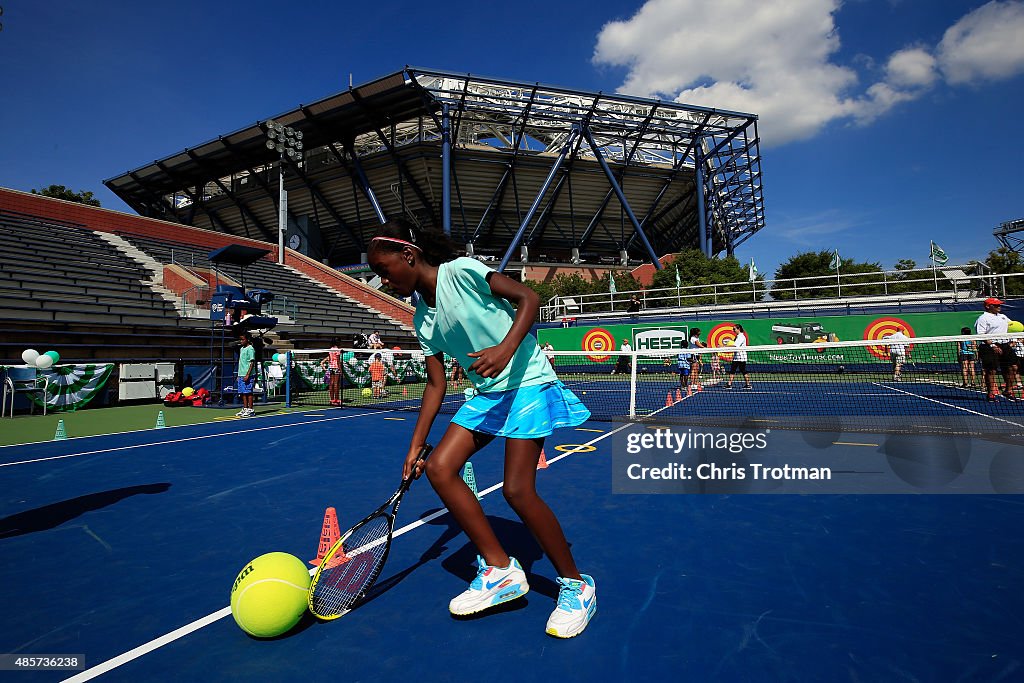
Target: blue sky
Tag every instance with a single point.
(884, 123)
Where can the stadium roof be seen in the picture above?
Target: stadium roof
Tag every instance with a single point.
(379, 145)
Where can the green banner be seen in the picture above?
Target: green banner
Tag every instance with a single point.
(72, 386)
(357, 372)
(779, 331)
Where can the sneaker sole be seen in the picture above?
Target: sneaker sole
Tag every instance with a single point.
(556, 634)
(482, 608)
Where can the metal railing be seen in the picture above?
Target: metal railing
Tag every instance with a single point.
(955, 282)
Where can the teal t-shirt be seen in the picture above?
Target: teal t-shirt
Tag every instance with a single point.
(468, 318)
(246, 356)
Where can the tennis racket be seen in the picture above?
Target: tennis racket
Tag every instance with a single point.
(354, 562)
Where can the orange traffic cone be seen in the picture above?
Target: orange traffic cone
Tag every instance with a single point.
(329, 535)
(679, 394)
(405, 391)
(668, 400)
(542, 464)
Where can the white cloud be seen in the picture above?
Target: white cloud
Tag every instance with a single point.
(986, 44)
(776, 58)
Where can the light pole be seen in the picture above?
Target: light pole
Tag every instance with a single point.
(288, 142)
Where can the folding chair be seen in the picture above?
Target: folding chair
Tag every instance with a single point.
(24, 380)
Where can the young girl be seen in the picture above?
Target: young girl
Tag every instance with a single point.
(332, 365)
(967, 354)
(464, 310)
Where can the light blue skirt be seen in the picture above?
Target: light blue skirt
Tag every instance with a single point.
(525, 413)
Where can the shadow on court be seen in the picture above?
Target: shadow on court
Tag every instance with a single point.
(53, 515)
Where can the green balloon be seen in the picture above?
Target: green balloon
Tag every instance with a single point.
(277, 358)
(348, 355)
(54, 355)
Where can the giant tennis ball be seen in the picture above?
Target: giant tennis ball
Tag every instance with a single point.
(187, 392)
(269, 595)
(1015, 326)
(367, 393)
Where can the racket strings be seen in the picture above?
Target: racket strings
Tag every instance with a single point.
(339, 587)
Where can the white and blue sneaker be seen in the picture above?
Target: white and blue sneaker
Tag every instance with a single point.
(492, 586)
(577, 603)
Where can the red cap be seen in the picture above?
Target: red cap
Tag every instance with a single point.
(992, 301)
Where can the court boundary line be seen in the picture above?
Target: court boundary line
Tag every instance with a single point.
(213, 617)
(183, 440)
(950, 405)
(149, 429)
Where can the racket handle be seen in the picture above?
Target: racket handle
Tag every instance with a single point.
(424, 452)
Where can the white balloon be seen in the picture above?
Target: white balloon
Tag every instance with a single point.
(44, 361)
(29, 356)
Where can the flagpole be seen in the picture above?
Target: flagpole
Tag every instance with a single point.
(931, 255)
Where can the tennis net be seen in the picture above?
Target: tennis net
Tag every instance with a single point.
(922, 384)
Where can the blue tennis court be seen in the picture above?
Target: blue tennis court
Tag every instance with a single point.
(123, 549)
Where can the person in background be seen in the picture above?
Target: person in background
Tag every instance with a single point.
(739, 358)
(996, 355)
(549, 353)
(897, 352)
(622, 363)
(634, 304)
(374, 340)
(967, 356)
(696, 361)
(377, 376)
(246, 374)
(332, 368)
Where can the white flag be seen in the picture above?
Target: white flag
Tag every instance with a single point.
(834, 265)
(938, 255)
(753, 270)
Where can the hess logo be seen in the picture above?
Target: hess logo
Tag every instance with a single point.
(661, 340)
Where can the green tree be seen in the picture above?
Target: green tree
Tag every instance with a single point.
(816, 265)
(706, 280)
(905, 281)
(1005, 261)
(61, 192)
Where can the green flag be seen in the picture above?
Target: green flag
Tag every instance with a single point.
(938, 255)
(611, 282)
(834, 265)
(753, 270)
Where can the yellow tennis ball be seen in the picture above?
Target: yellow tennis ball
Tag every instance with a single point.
(187, 391)
(367, 392)
(269, 595)
(1015, 326)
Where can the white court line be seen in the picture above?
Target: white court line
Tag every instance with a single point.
(190, 438)
(950, 405)
(187, 629)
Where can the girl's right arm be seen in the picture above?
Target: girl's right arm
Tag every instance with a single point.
(433, 395)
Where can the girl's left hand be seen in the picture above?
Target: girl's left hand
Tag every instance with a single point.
(491, 361)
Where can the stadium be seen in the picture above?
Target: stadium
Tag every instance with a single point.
(124, 453)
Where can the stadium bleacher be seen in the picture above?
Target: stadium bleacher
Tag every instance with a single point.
(319, 312)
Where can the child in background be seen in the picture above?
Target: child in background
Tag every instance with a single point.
(332, 366)
(377, 375)
(464, 310)
(967, 354)
(246, 374)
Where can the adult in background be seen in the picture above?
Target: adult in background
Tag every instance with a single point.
(996, 354)
(897, 351)
(634, 304)
(375, 340)
(622, 363)
(739, 358)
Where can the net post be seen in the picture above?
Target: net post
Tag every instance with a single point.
(632, 385)
(288, 379)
